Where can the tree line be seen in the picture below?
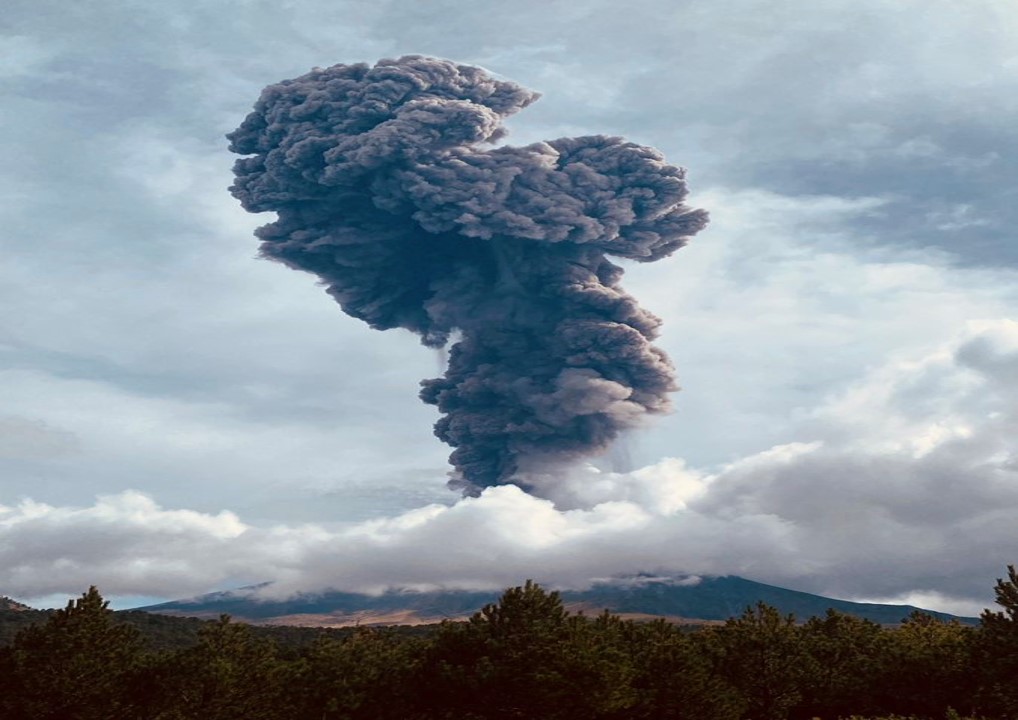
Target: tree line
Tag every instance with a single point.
(523, 657)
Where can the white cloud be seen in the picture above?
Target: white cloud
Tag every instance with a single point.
(124, 541)
(784, 300)
(857, 513)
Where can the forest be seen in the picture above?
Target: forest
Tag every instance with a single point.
(524, 656)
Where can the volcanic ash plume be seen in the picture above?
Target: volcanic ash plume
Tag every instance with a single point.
(388, 188)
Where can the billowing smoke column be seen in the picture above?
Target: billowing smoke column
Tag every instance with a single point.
(388, 189)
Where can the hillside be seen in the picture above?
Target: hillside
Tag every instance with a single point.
(161, 633)
(11, 605)
(684, 600)
(14, 616)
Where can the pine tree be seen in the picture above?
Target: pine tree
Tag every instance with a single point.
(227, 675)
(79, 665)
(674, 679)
(364, 677)
(846, 662)
(526, 657)
(929, 667)
(997, 650)
(761, 655)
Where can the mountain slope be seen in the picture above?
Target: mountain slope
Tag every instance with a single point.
(15, 616)
(706, 599)
(11, 605)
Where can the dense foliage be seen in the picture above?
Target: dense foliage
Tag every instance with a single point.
(523, 657)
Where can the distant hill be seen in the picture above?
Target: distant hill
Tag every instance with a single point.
(692, 600)
(162, 632)
(14, 616)
(11, 605)
(298, 621)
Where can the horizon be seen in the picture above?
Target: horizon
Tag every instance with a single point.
(251, 592)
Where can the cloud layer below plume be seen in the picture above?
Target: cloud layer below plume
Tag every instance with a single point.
(906, 490)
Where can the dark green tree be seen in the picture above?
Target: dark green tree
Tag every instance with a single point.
(227, 675)
(997, 651)
(78, 665)
(368, 676)
(762, 656)
(845, 666)
(526, 657)
(928, 668)
(595, 663)
(674, 678)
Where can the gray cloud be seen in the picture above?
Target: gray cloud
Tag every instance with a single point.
(383, 192)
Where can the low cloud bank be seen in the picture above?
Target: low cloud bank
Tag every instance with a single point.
(903, 487)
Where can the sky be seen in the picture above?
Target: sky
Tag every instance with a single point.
(180, 416)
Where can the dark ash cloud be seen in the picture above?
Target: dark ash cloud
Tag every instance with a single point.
(385, 190)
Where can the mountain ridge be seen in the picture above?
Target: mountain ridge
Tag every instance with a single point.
(12, 605)
(694, 600)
